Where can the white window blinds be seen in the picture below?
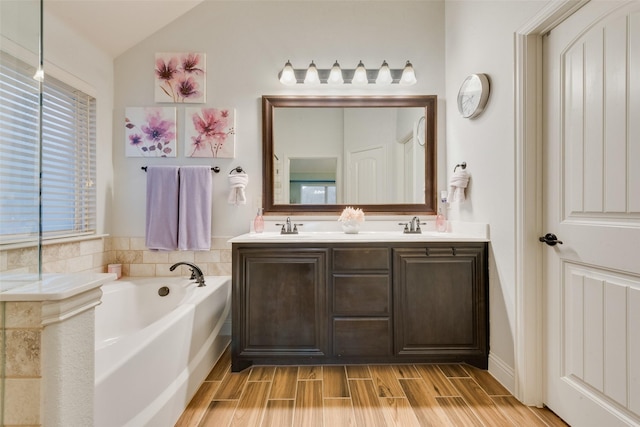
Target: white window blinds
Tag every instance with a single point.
(68, 156)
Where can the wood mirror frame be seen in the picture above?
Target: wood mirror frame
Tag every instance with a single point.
(428, 102)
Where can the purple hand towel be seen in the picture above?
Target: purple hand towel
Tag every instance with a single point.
(162, 207)
(194, 219)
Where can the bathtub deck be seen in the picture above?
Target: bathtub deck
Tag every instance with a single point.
(364, 395)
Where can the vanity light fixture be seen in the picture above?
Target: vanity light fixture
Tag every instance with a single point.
(359, 76)
(312, 77)
(335, 75)
(384, 75)
(408, 75)
(288, 75)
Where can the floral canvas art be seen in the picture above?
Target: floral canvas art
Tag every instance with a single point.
(180, 77)
(209, 132)
(150, 132)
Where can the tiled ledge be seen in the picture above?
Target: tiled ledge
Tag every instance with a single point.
(57, 287)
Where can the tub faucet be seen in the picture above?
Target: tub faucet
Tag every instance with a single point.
(196, 273)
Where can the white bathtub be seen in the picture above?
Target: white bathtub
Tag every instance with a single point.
(153, 352)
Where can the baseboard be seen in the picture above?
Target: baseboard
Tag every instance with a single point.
(502, 372)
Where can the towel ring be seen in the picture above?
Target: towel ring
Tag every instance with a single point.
(238, 169)
(463, 165)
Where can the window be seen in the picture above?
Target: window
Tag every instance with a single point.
(68, 156)
(313, 193)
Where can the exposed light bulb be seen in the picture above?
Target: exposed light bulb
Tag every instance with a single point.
(384, 75)
(408, 75)
(335, 75)
(39, 75)
(360, 75)
(312, 77)
(287, 75)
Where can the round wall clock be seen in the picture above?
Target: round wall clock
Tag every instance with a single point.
(473, 95)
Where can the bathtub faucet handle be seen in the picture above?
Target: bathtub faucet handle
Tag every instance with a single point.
(196, 273)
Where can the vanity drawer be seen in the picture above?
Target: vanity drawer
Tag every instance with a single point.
(348, 259)
(362, 336)
(362, 294)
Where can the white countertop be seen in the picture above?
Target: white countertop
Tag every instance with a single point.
(51, 287)
(371, 231)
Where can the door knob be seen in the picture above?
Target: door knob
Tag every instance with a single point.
(550, 239)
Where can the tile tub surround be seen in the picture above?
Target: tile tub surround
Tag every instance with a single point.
(94, 254)
(54, 317)
(81, 255)
(22, 375)
(138, 261)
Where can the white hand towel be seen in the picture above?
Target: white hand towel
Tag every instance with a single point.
(457, 186)
(237, 182)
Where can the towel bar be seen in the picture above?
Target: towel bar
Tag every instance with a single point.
(216, 169)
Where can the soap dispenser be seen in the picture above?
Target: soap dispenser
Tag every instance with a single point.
(258, 222)
(441, 220)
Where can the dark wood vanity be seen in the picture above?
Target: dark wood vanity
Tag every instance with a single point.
(359, 302)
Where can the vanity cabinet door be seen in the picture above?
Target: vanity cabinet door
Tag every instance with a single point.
(279, 303)
(440, 302)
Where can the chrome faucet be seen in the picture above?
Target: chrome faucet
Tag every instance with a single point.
(287, 229)
(413, 226)
(196, 273)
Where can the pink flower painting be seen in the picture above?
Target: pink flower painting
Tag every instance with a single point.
(209, 132)
(180, 77)
(150, 132)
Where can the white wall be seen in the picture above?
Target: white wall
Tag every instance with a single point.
(20, 23)
(247, 43)
(480, 39)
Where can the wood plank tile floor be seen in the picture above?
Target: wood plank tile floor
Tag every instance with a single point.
(354, 396)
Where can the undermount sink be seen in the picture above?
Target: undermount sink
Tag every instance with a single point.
(275, 235)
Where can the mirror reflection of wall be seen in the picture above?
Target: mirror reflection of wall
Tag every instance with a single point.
(375, 153)
(312, 181)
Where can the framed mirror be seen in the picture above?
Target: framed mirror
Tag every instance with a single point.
(322, 153)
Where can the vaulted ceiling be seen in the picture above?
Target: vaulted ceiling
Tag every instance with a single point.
(116, 25)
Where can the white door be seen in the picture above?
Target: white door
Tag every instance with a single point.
(591, 193)
(366, 176)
